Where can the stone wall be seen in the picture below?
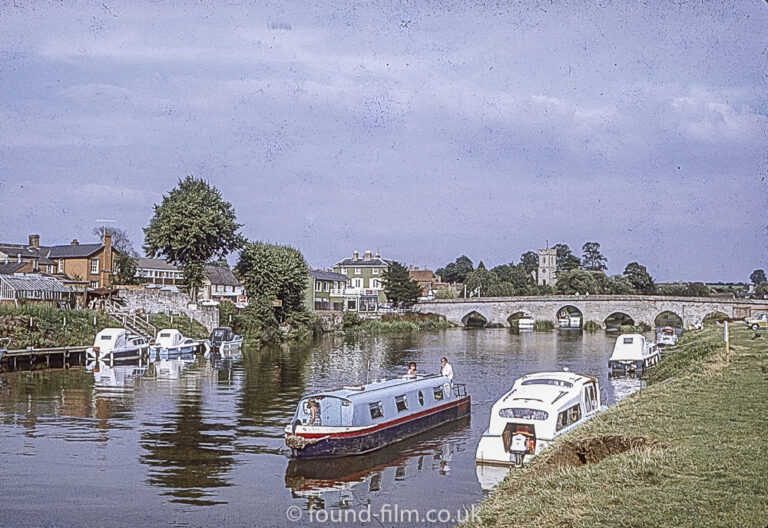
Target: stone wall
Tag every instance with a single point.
(162, 301)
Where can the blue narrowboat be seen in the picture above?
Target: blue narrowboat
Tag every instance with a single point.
(353, 420)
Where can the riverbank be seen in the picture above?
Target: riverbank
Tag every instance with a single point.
(685, 451)
(393, 323)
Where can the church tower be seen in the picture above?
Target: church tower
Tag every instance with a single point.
(547, 267)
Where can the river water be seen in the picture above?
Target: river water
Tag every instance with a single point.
(202, 444)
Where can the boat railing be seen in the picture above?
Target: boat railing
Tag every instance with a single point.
(459, 390)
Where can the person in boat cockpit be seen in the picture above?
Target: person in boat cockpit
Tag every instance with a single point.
(446, 369)
(411, 369)
(314, 413)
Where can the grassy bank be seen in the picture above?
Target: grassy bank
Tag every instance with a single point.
(685, 451)
(394, 323)
(43, 326)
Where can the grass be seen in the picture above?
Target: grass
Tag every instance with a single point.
(396, 324)
(188, 327)
(43, 326)
(703, 463)
(543, 326)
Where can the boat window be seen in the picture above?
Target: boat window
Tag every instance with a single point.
(377, 410)
(524, 413)
(568, 417)
(106, 337)
(421, 398)
(556, 382)
(627, 340)
(401, 403)
(165, 334)
(438, 392)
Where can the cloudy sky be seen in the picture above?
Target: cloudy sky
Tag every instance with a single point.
(424, 130)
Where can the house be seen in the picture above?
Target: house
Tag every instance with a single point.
(365, 291)
(325, 291)
(220, 284)
(425, 278)
(158, 271)
(92, 263)
(33, 288)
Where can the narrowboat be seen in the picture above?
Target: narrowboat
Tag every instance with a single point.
(224, 341)
(353, 420)
(171, 344)
(666, 335)
(539, 408)
(632, 353)
(116, 345)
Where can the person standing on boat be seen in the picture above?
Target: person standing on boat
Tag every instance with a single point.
(314, 413)
(446, 369)
(411, 369)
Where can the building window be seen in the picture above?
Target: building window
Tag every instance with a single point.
(358, 283)
(94, 284)
(344, 271)
(94, 265)
(318, 286)
(375, 271)
(357, 271)
(326, 286)
(375, 283)
(61, 266)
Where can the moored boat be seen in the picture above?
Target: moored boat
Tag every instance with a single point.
(526, 322)
(538, 408)
(116, 345)
(224, 341)
(632, 353)
(358, 419)
(665, 336)
(171, 344)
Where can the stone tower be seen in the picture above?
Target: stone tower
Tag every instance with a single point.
(547, 267)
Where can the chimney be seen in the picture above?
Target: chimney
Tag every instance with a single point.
(377, 254)
(34, 241)
(367, 255)
(18, 258)
(354, 255)
(74, 242)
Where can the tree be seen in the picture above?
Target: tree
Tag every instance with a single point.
(192, 225)
(272, 272)
(516, 276)
(566, 260)
(761, 290)
(575, 281)
(457, 271)
(640, 279)
(757, 277)
(529, 261)
(697, 289)
(621, 285)
(592, 258)
(125, 269)
(483, 281)
(399, 288)
(120, 240)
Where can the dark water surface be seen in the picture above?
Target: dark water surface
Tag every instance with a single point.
(202, 444)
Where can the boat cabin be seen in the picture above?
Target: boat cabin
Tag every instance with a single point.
(111, 339)
(222, 334)
(168, 338)
(633, 352)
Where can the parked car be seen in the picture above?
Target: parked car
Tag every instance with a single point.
(209, 302)
(757, 321)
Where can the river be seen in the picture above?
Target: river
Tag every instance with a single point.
(202, 445)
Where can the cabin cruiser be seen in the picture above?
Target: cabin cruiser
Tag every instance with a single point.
(569, 321)
(170, 344)
(526, 322)
(358, 419)
(539, 408)
(117, 344)
(632, 353)
(224, 341)
(666, 335)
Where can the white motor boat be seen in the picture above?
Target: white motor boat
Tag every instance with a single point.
(632, 353)
(171, 344)
(526, 322)
(113, 345)
(569, 321)
(666, 336)
(539, 408)
(224, 341)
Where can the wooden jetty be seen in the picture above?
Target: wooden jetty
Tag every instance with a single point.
(56, 357)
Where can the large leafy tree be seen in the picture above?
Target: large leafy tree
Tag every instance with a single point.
(272, 272)
(399, 288)
(515, 276)
(640, 279)
(458, 270)
(566, 260)
(191, 226)
(482, 282)
(576, 281)
(529, 261)
(757, 277)
(592, 258)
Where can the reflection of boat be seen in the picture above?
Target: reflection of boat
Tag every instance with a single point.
(632, 353)
(116, 345)
(171, 368)
(115, 376)
(357, 419)
(224, 341)
(666, 335)
(539, 408)
(170, 343)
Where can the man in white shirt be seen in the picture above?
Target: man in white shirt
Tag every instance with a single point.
(446, 369)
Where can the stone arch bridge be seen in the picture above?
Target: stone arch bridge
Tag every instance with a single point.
(641, 308)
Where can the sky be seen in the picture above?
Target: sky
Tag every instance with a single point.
(423, 130)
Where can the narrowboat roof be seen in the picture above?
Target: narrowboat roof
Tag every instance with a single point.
(399, 385)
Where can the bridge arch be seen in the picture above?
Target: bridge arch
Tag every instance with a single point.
(668, 318)
(569, 310)
(714, 317)
(616, 320)
(475, 319)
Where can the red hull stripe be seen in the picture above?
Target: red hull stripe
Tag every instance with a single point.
(384, 425)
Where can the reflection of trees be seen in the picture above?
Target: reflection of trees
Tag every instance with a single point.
(188, 456)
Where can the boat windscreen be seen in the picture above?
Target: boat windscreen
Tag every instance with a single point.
(524, 413)
(556, 382)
